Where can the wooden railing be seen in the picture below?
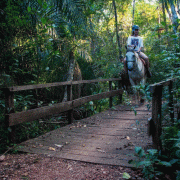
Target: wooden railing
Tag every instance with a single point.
(13, 118)
(156, 90)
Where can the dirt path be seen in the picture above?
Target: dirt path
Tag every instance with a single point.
(41, 167)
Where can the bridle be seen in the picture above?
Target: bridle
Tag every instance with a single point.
(134, 59)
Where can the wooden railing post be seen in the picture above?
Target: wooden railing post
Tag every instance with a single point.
(69, 98)
(9, 108)
(110, 89)
(156, 116)
(120, 87)
(171, 102)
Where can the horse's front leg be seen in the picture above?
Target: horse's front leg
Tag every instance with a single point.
(134, 90)
(143, 81)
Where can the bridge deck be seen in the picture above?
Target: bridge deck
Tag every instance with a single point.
(108, 137)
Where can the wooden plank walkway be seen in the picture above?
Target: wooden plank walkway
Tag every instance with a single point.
(105, 138)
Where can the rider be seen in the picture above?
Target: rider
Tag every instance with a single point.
(136, 41)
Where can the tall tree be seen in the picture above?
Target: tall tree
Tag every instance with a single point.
(178, 6)
(172, 14)
(133, 12)
(117, 35)
(164, 14)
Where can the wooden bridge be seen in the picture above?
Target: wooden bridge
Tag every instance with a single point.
(108, 137)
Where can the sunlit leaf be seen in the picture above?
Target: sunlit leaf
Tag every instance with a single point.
(139, 151)
(29, 9)
(40, 2)
(126, 175)
(44, 5)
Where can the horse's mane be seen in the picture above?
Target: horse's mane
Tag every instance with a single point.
(130, 50)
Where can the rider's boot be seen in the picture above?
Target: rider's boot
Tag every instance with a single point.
(148, 72)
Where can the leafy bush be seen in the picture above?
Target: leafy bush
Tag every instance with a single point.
(171, 140)
(152, 163)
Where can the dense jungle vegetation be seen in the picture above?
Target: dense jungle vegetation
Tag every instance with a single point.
(58, 40)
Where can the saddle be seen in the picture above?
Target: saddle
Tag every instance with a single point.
(148, 73)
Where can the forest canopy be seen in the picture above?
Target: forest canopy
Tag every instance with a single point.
(38, 36)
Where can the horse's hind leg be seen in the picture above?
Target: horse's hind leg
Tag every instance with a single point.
(142, 99)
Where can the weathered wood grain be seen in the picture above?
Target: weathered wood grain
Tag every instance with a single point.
(96, 139)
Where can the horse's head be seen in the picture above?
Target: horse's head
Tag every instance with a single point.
(130, 59)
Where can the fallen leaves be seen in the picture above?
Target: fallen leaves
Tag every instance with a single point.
(57, 168)
(52, 149)
(2, 157)
(128, 138)
(58, 145)
(70, 167)
(77, 125)
(99, 150)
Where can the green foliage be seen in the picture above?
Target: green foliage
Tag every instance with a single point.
(146, 16)
(23, 103)
(150, 162)
(171, 140)
(155, 163)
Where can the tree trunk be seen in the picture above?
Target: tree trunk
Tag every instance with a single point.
(133, 12)
(77, 77)
(178, 6)
(167, 9)
(70, 73)
(117, 35)
(164, 14)
(174, 16)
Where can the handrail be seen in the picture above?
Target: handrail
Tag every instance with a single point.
(156, 90)
(66, 83)
(162, 83)
(13, 118)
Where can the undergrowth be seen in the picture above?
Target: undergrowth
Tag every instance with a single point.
(165, 163)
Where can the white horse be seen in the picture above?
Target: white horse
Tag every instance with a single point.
(136, 70)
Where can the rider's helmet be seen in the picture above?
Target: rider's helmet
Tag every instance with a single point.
(134, 27)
